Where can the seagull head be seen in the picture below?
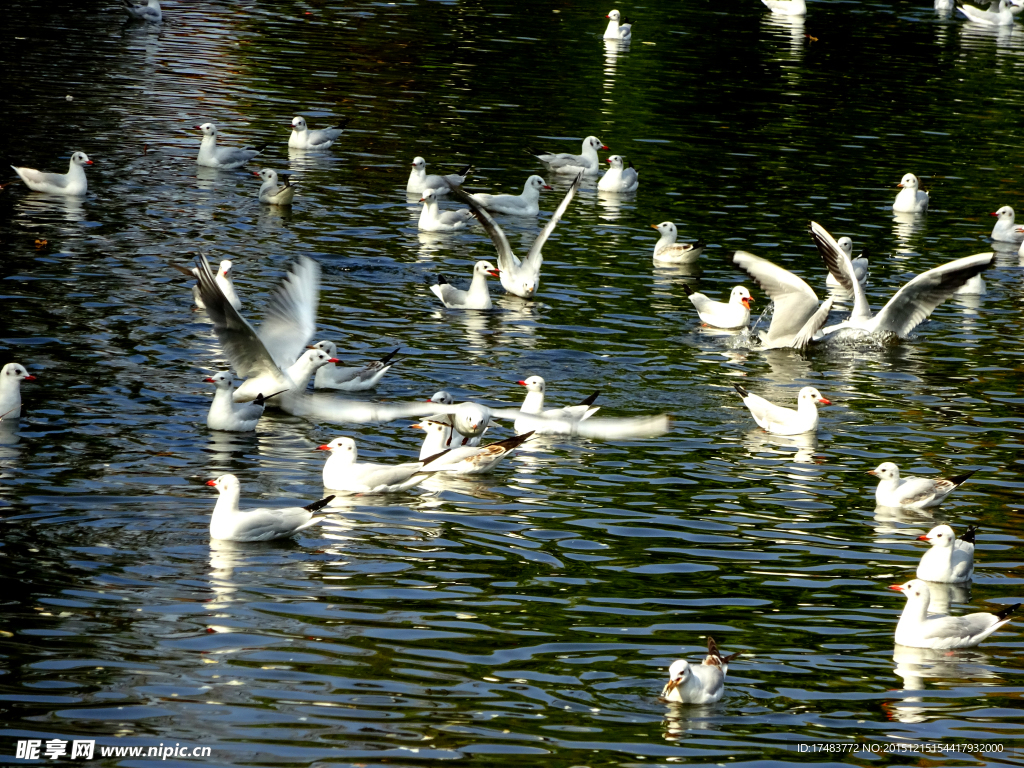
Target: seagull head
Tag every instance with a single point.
(225, 268)
(615, 161)
(318, 358)
(908, 182)
(208, 129)
(914, 590)
(846, 244)
(940, 536)
(536, 182)
(613, 15)
(224, 483)
(677, 675)
(222, 380)
(595, 143)
(1006, 212)
(299, 123)
(429, 196)
(740, 295)
(15, 372)
(80, 158)
(418, 163)
(443, 397)
(532, 384)
(886, 471)
(470, 420)
(267, 174)
(345, 446)
(810, 393)
(485, 267)
(327, 347)
(666, 228)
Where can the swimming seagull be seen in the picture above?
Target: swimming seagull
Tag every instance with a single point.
(1004, 229)
(273, 193)
(11, 377)
(212, 156)
(477, 296)
(464, 459)
(149, 12)
(787, 7)
(909, 307)
(997, 15)
(668, 251)
(785, 421)
(343, 473)
(913, 492)
(229, 523)
(525, 204)
(919, 629)
(228, 416)
(797, 315)
(419, 182)
(950, 560)
(618, 178)
(533, 405)
(616, 29)
(698, 684)
(350, 379)
(518, 277)
(303, 138)
(860, 264)
(434, 220)
(910, 199)
(587, 162)
(70, 184)
(719, 314)
(223, 280)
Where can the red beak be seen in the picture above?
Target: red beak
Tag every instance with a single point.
(604, 146)
(208, 380)
(923, 538)
(423, 199)
(897, 587)
(747, 302)
(198, 127)
(494, 272)
(255, 173)
(211, 482)
(30, 377)
(521, 383)
(322, 448)
(823, 401)
(334, 360)
(88, 162)
(993, 214)
(547, 187)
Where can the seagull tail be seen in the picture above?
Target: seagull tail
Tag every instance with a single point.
(387, 358)
(688, 290)
(1001, 615)
(958, 480)
(435, 457)
(316, 506)
(741, 390)
(441, 280)
(590, 400)
(261, 400)
(969, 534)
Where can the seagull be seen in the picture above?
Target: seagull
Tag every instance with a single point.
(464, 459)
(997, 15)
(419, 182)
(353, 379)
(518, 277)
(919, 629)
(228, 416)
(719, 314)
(668, 251)
(617, 178)
(149, 12)
(698, 684)
(71, 184)
(787, 7)
(273, 359)
(587, 162)
(860, 264)
(618, 31)
(223, 280)
(910, 199)
(533, 405)
(913, 492)
(909, 307)
(229, 523)
(1004, 229)
(950, 560)
(476, 297)
(342, 473)
(441, 396)
(525, 204)
(11, 377)
(797, 316)
(273, 193)
(303, 138)
(785, 421)
(433, 220)
(212, 156)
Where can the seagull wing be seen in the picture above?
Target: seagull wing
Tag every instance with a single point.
(507, 260)
(795, 301)
(535, 250)
(290, 320)
(839, 264)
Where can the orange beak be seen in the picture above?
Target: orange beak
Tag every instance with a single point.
(747, 302)
(417, 426)
(211, 482)
(923, 538)
(897, 587)
(521, 383)
(322, 448)
(873, 472)
(823, 401)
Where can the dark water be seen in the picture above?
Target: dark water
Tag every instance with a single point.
(530, 615)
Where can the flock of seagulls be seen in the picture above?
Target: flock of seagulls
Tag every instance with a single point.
(998, 13)
(278, 360)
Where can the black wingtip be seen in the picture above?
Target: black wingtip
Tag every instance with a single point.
(316, 506)
(511, 443)
(435, 457)
(1007, 611)
(689, 291)
(699, 244)
(968, 535)
(387, 358)
(466, 171)
(441, 280)
(261, 400)
(741, 390)
(590, 400)
(959, 480)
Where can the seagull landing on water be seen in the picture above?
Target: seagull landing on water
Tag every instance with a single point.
(698, 684)
(720, 314)
(919, 629)
(787, 7)
(950, 560)
(70, 184)
(913, 492)
(785, 421)
(229, 523)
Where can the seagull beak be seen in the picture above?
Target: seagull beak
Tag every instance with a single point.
(198, 127)
(417, 426)
(310, 346)
(322, 448)
(255, 173)
(604, 146)
(521, 383)
(547, 186)
(672, 684)
(423, 199)
(208, 380)
(923, 538)
(900, 184)
(823, 401)
(897, 587)
(88, 162)
(493, 272)
(654, 226)
(747, 302)
(334, 360)
(30, 377)
(211, 482)
(993, 214)
(873, 472)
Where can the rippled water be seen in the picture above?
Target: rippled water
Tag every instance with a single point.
(532, 613)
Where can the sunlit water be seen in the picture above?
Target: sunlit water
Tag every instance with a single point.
(530, 615)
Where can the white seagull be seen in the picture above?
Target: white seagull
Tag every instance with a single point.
(785, 421)
(950, 560)
(587, 162)
(860, 264)
(419, 182)
(913, 492)
(910, 199)
(353, 378)
(919, 629)
(343, 473)
(303, 138)
(464, 459)
(70, 184)
(212, 156)
(434, 220)
(1005, 230)
(797, 316)
(616, 29)
(719, 314)
(618, 178)
(910, 305)
(997, 15)
(229, 523)
(223, 280)
(11, 377)
(477, 296)
(149, 12)
(698, 684)
(525, 204)
(787, 7)
(520, 277)
(668, 251)
(273, 193)
(533, 405)
(228, 416)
